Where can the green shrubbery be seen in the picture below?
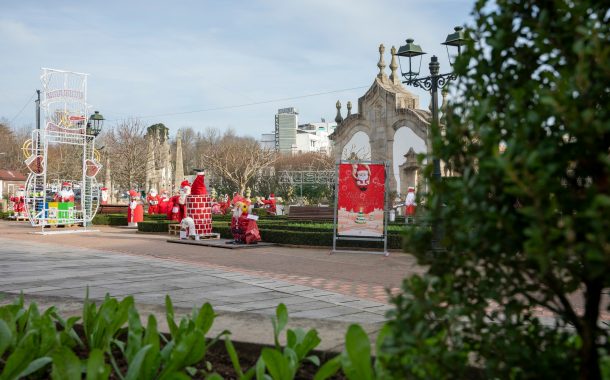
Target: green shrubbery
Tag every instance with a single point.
(323, 237)
(112, 342)
(525, 225)
(155, 226)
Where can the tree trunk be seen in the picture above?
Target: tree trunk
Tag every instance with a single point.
(589, 368)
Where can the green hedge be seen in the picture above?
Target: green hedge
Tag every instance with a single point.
(110, 219)
(155, 226)
(121, 219)
(317, 238)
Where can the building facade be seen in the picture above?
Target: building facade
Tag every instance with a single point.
(286, 122)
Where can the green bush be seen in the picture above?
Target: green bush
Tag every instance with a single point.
(148, 217)
(525, 225)
(155, 226)
(110, 219)
(322, 238)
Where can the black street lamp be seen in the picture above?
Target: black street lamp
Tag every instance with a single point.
(94, 126)
(432, 83)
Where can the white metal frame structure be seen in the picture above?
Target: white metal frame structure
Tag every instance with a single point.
(65, 120)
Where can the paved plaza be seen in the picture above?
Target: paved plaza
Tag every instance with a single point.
(243, 286)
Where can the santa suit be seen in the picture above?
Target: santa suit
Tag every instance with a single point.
(153, 203)
(178, 211)
(65, 196)
(135, 211)
(271, 204)
(18, 203)
(410, 203)
(165, 205)
(249, 229)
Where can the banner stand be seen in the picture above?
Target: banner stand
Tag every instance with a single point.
(336, 233)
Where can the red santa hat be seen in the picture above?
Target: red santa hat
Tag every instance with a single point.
(104, 188)
(133, 193)
(21, 188)
(411, 189)
(362, 168)
(66, 184)
(185, 183)
(271, 196)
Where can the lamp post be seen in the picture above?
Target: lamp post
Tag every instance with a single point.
(94, 126)
(432, 83)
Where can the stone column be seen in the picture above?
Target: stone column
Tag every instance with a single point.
(179, 173)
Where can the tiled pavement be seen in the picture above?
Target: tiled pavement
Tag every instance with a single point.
(42, 269)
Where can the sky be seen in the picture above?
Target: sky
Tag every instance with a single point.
(221, 64)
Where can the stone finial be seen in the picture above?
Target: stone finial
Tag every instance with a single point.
(394, 78)
(349, 109)
(338, 118)
(381, 63)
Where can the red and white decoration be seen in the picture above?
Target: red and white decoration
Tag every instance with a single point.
(19, 202)
(178, 210)
(104, 195)
(410, 202)
(66, 194)
(153, 200)
(199, 208)
(135, 212)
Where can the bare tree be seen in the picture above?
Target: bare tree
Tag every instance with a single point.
(235, 159)
(11, 141)
(125, 145)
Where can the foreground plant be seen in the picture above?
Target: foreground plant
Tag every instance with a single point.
(526, 222)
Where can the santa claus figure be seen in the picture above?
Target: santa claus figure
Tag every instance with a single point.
(178, 210)
(270, 204)
(135, 211)
(225, 204)
(243, 225)
(19, 202)
(165, 204)
(410, 205)
(153, 200)
(66, 194)
(198, 187)
(104, 195)
(362, 175)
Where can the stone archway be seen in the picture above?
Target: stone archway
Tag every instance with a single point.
(382, 110)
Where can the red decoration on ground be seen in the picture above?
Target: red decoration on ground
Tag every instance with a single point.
(135, 211)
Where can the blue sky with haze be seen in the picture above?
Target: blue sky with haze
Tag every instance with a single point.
(162, 61)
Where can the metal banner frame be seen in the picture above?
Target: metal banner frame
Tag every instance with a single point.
(383, 238)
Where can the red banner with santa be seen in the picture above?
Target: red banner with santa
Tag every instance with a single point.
(361, 199)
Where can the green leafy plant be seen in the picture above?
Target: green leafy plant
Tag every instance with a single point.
(525, 223)
(102, 325)
(280, 363)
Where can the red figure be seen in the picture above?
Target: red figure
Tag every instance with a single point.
(270, 204)
(66, 194)
(165, 205)
(135, 211)
(153, 200)
(19, 202)
(178, 211)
